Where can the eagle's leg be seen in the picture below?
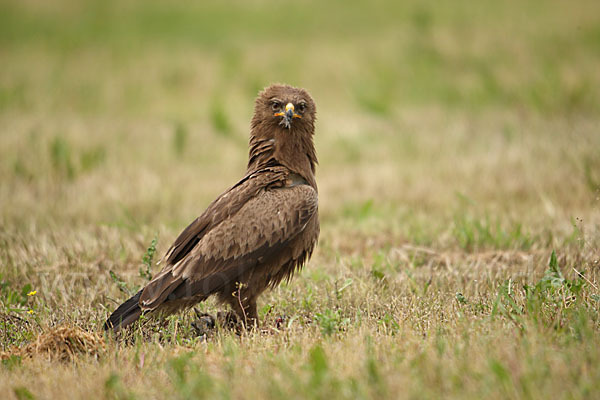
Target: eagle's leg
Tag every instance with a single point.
(245, 309)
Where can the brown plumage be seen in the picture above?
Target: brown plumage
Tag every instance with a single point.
(255, 234)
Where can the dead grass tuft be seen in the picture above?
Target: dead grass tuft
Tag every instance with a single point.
(63, 343)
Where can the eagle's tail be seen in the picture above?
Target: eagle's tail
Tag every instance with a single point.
(125, 314)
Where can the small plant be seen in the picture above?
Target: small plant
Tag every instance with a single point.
(549, 302)
(476, 233)
(309, 299)
(15, 329)
(461, 298)
(15, 300)
(146, 272)
(389, 324)
(331, 322)
(11, 362)
(377, 274)
(338, 291)
(121, 284)
(62, 159)
(22, 393)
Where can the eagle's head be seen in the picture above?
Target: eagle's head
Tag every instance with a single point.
(285, 107)
(282, 131)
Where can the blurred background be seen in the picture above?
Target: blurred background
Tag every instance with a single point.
(458, 145)
(469, 124)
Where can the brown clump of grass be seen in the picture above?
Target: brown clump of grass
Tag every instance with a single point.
(63, 343)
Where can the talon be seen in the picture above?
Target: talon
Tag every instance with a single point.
(204, 324)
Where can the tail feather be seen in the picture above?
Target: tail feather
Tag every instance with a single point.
(125, 314)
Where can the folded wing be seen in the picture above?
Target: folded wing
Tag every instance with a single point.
(251, 231)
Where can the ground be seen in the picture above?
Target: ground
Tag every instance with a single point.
(459, 192)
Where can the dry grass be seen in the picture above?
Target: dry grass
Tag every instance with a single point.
(458, 148)
(64, 343)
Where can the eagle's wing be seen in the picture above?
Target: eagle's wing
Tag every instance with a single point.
(221, 208)
(252, 229)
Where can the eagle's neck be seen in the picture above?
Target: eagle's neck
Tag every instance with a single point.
(292, 149)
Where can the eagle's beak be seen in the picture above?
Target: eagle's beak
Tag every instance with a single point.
(288, 115)
(289, 111)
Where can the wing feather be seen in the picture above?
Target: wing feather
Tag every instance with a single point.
(247, 233)
(221, 208)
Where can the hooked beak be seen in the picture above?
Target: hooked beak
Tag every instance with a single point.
(288, 115)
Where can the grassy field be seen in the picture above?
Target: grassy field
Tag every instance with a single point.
(459, 178)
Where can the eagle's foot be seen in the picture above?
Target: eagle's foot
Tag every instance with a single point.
(204, 324)
(229, 320)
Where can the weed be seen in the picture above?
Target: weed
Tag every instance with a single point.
(479, 233)
(121, 284)
(552, 301)
(331, 322)
(389, 324)
(146, 272)
(461, 298)
(338, 291)
(22, 393)
(13, 300)
(12, 362)
(62, 158)
(377, 273)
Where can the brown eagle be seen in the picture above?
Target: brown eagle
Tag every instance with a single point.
(254, 235)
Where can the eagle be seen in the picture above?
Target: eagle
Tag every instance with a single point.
(257, 233)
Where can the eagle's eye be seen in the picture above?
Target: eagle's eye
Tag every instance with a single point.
(301, 107)
(275, 105)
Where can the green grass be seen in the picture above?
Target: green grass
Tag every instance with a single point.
(458, 175)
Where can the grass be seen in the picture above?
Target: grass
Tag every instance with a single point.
(459, 195)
